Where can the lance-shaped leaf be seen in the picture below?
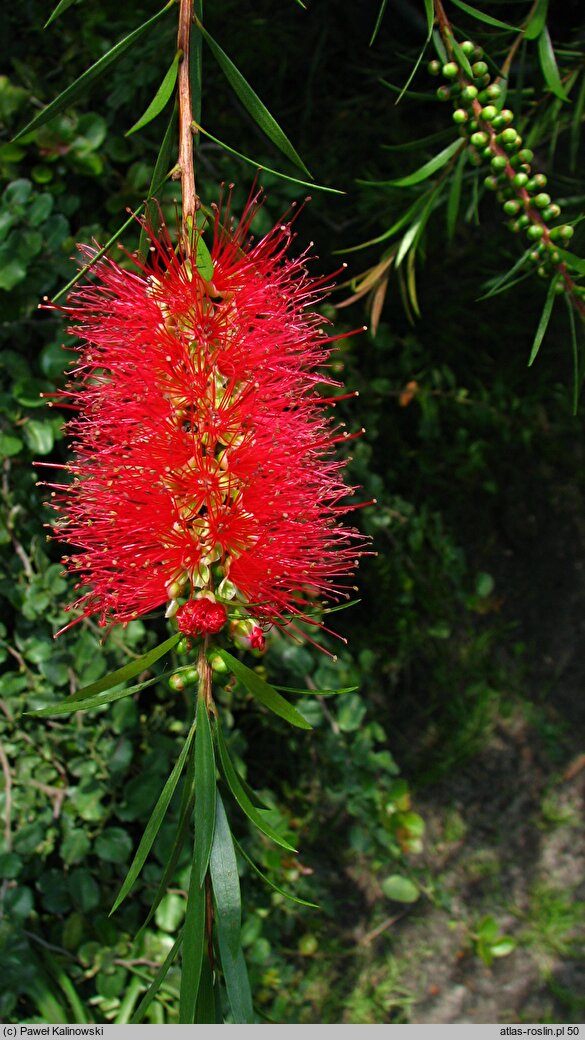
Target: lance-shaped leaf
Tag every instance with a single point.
(481, 16)
(154, 823)
(252, 102)
(225, 879)
(127, 671)
(236, 979)
(203, 259)
(161, 98)
(548, 64)
(537, 20)
(264, 693)
(161, 173)
(268, 169)
(455, 196)
(205, 792)
(69, 706)
(60, 8)
(544, 320)
(206, 1012)
(73, 91)
(256, 816)
(157, 981)
(193, 947)
(317, 693)
(424, 172)
(379, 18)
(271, 884)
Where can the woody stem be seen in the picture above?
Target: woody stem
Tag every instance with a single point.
(189, 195)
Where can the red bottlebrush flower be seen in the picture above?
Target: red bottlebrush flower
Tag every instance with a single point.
(204, 452)
(201, 617)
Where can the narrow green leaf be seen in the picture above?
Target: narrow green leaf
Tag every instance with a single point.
(205, 1013)
(73, 91)
(154, 823)
(414, 69)
(203, 258)
(495, 285)
(425, 171)
(161, 98)
(127, 671)
(379, 18)
(317, 693)
(252, 102)
(263, 692)
(268, 169)
(185, 816)
(205, 792)
(548, 64)
(193, 947)
(70, 705)
(157, 982)
(455, 196)
(161, 173)
(439, 46)
(430, 13)
(60, 8)
(398, 224)
(461, 58)
(225, 880)
(256, 816)
(236, 979)
(544, 320)
(271, 884)
(576, 124)
(407, 240)
(535, 25)
(418, 142)
(481, 16)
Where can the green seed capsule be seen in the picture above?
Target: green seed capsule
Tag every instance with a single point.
(491, 184)
(443, 93)
(523, 220)
(183, 646)
(473, 125)
(534, 255)
(486, 153)
(542, 200)
(508, 136)
(450, 70)
(469, 93)
(520, 180)
(537, 182)
(479, 139)
(535, 232)
(559, 288)
(488, 113)
(554, 257)
(176, 683)
(477, 51)
(479, 69)
(551, 212)
(511, 207)
(526, 155)
(542, 272)
(499, 163)
(468, 48)
(460, 116)
(434, 67)
(566, 232)
(494, 91)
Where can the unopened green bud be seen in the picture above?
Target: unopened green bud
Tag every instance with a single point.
(460, 116)
(523, 220)
(469, 93)
(542, 200)
(491, 184)
(479, 69)
(434, 67)
(551, 212)
(537, 182)
(468, 47)
(479, 139)
(508, 136)
(443, 93)
(450, 70)
(499, 163)
(559, 287)
(511, 207)
(520, 180)
(526, 155)
(488, 113)
(535, 232)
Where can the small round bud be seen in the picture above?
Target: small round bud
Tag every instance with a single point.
(523, 220)
(460, 116)
(534, 255)
(486, 153)
(566, 232)
(537, 182)
(443, 93)
(176, 683)
(511, 207)
(542, 200)
(551, 212)
(508, 136)
(498, 163)
(494, 91)
(479, 139)
(468, 48)
(520, 180)
(559, 287)
(479, 69)
(450, 70)
(183, 647)
(434, 67)
(488, 113)
(469, 93)
(535, 232)
(526, 155)
(491, 184)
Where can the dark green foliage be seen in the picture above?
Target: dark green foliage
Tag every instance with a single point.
(462, 444)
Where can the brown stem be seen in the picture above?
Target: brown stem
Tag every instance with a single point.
(205, 683)
(190, 202)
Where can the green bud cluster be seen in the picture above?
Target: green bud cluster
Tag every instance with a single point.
(488, 126)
